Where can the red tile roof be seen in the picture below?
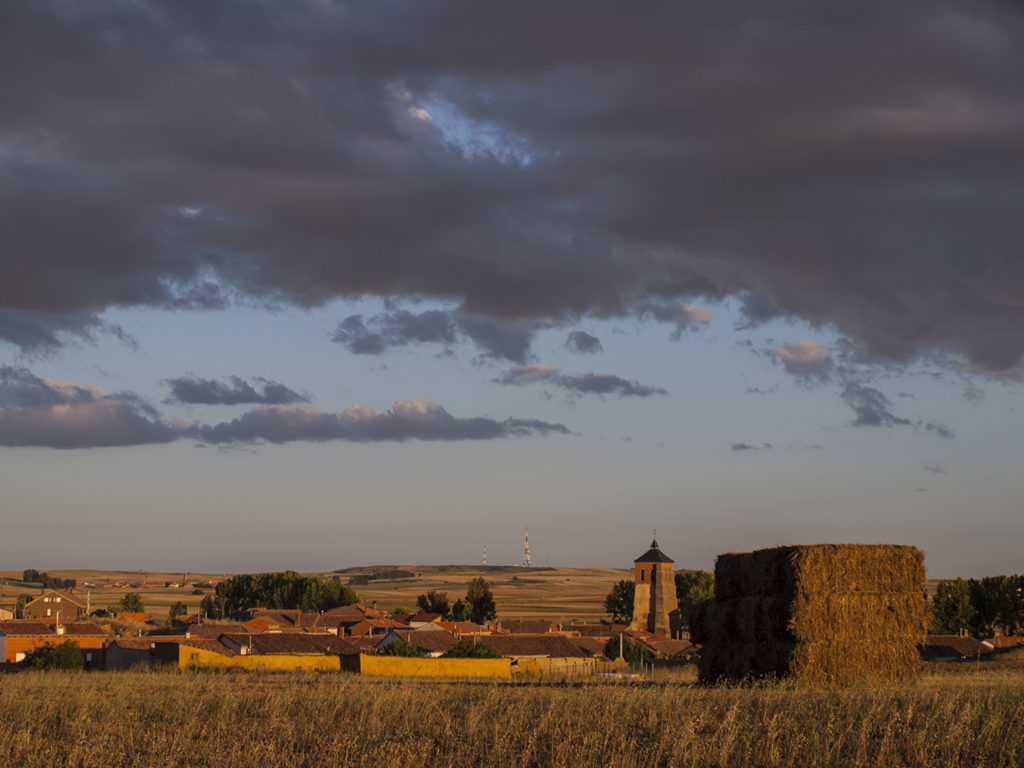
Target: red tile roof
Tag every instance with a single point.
(62, 594)
(433, 642)
(206, 644)
(590, 645)
(953, 646)
(425, 618)
(669, 649)
(293, 644)
(26, 627)
(131, 643)
(212, 629)
(528, 627)
(555, 646)
(591, 630)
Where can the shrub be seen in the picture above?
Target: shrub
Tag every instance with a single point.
(469, 648)
(401, 648)
(65, 655)
(633, 651)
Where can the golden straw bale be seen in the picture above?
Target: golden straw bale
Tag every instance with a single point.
(819, 568)
(846, 663)
(901, 617)
(828, 613)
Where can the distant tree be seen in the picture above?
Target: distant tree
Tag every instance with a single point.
(997, 605)
(619, 602)
(19, 606)
(470, 648)
(209, 609)
(434, 602)
(33, 576)
(460, 611)
(197, 591)
(952, 609)
(131, 602)
(692, 588)
(480, 601)
(633, 651)
(400, 610)
(281, 590)
(66, 655)
(402, 648)
(177, 610)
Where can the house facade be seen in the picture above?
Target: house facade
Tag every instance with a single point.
(54, 604)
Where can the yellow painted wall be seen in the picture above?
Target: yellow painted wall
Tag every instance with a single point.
(401, 666)
(205, 658)
(562, 666)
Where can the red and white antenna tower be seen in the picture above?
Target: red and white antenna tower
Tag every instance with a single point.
(526, 550)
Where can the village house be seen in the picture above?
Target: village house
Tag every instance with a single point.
(545, 654)
(55, 603)
(954, 648)
(527, 627)
(429, 642)
(21, 636)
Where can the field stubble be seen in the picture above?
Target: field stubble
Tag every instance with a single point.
(959, 717)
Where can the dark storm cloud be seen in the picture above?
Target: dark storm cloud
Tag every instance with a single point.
(499, 339)
(41, 412)
(858, 165)
(579, 384)
(584, 343)
(235, 391)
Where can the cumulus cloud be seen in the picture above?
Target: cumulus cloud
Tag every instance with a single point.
(527, 374)
(739, 447)
(580, 383)
(682, 314)
(406, 420)
(235, 391)
(674, 154)
(584, 343)
(37, 411)
(940, 430)
(806, 360)
(607, 384)
(508, 340)
(870, 407)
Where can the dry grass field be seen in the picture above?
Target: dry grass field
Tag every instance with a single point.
(960, 715)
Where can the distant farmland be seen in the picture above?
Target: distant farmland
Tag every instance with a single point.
(559, 594)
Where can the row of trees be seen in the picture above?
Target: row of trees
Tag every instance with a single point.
(32, 576)
(478, 605)
(276, 590)
(981, 606)
(692, 588)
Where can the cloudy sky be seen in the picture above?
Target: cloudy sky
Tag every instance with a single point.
(318, 284)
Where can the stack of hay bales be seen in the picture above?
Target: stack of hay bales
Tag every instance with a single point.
(825, 613)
